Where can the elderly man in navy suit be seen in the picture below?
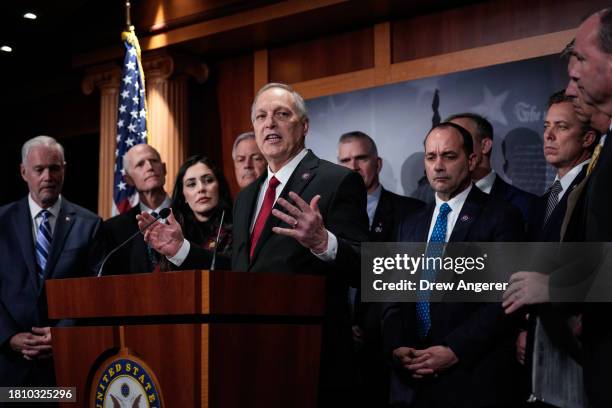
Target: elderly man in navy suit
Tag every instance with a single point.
(453, 354)
(146, 171)
(44, 236)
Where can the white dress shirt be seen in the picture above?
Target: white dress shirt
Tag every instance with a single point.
(485, 184)
(165, 204)
(569, 177)
(36, 217)
(283, 176)
(456, 204)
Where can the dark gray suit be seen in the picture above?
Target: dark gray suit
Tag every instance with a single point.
(343, 208)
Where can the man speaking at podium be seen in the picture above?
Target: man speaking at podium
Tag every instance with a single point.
(44, 236)
(304, 215)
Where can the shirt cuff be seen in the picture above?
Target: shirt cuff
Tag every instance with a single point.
(332, 249)
(181, 255)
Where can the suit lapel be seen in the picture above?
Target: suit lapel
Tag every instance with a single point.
(141, 263)
(303, 174)
(63, 224)
(562, 203)
(383, 210)
(422, 227)
(468, 214)
(26, 240)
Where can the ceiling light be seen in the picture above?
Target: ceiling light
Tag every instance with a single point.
(30, 16)
(6, 48)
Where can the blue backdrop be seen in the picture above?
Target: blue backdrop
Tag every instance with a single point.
(512, 96)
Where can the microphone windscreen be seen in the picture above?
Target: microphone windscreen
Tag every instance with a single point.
(164, 213)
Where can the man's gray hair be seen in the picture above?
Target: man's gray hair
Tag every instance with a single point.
(240, 138)
(126, 159)
(46, 141)
(358, 135)
(298, 101)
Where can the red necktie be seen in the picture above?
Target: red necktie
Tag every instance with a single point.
(264, 213)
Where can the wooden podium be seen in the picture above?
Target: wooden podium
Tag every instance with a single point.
(210, 339)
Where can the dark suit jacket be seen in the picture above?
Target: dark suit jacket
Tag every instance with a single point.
(551, 232)
(500, 189)
(477, 333)
(515, 196)
(554, 318)
(343, 208)
(390, 211)
(133, 256)
(591, 221)
(75, 252)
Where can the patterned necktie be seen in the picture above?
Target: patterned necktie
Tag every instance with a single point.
(553, 199)
(594, 158)
(435, 248)
(43, 243)
(264, 213)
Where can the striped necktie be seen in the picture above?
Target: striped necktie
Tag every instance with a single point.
(43, 243)
(553, 200)
(435, 249)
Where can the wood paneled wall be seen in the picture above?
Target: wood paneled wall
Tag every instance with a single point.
(235, 95)
(321, 57)
(483, 24)
(452, 40)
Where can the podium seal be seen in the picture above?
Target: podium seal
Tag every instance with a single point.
(125, 381)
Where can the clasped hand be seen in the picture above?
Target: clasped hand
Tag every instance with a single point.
(33, 345)
(427, 362)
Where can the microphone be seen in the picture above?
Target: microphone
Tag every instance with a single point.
(163, 214)
(214, 257)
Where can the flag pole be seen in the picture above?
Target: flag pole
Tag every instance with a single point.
(128, 20)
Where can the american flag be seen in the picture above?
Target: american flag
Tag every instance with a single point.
(131, 121)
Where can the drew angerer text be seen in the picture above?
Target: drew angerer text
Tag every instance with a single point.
(425, 285)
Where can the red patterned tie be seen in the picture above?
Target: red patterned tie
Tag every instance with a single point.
(264, 213)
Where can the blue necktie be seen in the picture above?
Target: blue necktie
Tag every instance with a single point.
(43, 243)
(435, 248)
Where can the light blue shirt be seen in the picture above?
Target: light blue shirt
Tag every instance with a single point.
(373, 200)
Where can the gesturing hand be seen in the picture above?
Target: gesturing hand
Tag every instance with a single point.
(526, 288)
(306, 221)
(164, 238)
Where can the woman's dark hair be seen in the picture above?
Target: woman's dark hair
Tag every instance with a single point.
(184, 214)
